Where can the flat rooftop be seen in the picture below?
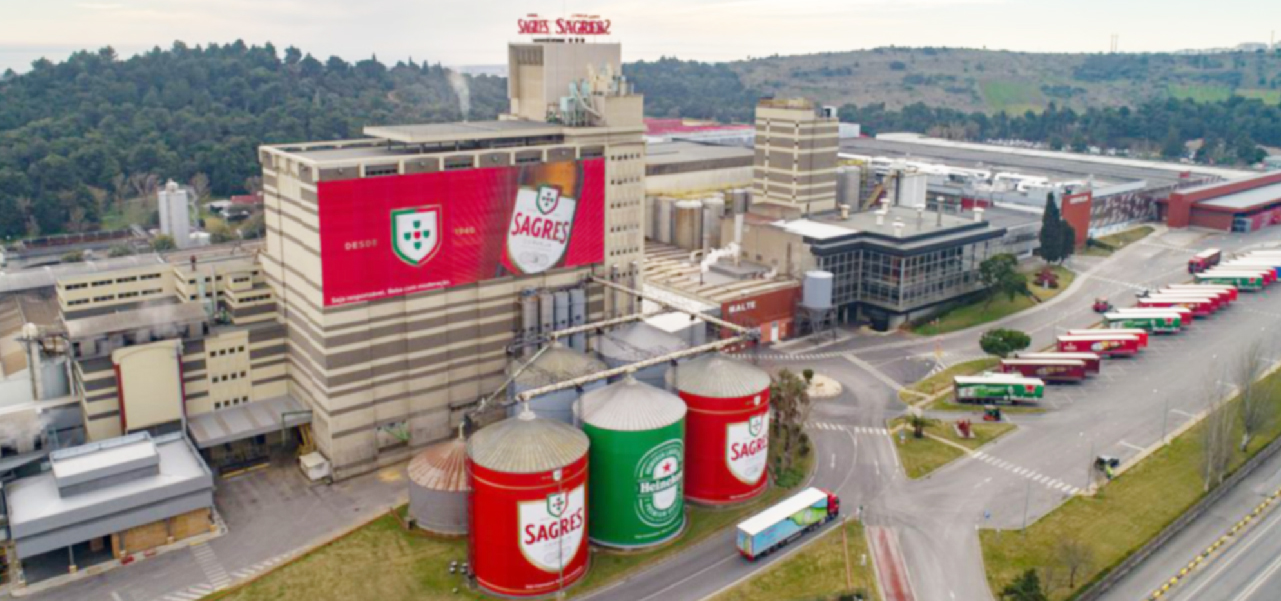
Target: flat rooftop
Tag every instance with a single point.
(831, 225)
(667, 153)
(434, 133)
(1245, 200)
(146, 317)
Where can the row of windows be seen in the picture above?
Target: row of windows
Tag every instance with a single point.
(255, 298)
(232, 402)
(228, 377)
(874, 276)
(222, 352)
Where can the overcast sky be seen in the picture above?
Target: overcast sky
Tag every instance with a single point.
(474, 32)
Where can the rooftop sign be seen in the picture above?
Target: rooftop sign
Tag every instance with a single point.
(576, 25)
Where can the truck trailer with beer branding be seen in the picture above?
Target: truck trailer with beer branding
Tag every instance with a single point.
(1214, 300)
(1184, 313)
(1160, 322)
(1250, 263)
(1226, 294)
(1093, 362)
(1142, 335)
(1050, 370)
(785, 522)
(1239, 281)
(1115, 345)
(997, 387)
(1267, 274)
(1200, 306)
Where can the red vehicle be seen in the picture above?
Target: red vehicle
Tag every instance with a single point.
(1204, 260)
(1108, 345)
(1101, 305)
(1049, 370)
(1201, 307)
(1092, 361)
(1226, 294)
(1142, 335)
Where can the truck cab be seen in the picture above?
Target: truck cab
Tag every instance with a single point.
(833, 505)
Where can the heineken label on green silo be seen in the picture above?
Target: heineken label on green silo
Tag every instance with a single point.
(658, 480)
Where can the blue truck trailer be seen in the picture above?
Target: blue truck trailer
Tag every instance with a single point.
(787, 521)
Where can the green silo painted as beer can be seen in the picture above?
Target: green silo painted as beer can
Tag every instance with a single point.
(636, 477)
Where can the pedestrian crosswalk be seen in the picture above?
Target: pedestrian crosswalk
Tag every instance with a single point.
(855, 429)
(788, 357)
(218, 576)
(1042, 479)
(210, 565)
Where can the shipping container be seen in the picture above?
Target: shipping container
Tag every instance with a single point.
(1093, 362)
(1184, 313)
(1050, 370)
(1201, 306)
(1226, 294)
(1239, 281)
(785, 522)
(1108, 346)
(997, 388)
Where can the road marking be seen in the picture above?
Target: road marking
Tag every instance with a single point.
(833, 460)
(1258, 582)
(1132, 446)
(116, 596)
(1183, 413)
(1208, 578)
(1039, 478)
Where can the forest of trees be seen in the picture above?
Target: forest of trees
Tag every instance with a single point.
(1231, 130)
(692, 90)
(79, 136)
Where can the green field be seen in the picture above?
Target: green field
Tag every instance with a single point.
(818, 572)
(1014, 97)
(980, 311)
(1122, 516)
(1201, 93)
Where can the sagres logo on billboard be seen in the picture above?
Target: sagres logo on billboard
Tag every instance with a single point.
(658, 479)
(551, 529)
(415, 234)
(747, 448)
(542, 218)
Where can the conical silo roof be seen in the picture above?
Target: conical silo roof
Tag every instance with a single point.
(631, 406)
(719, 377)
(637, 342)
(558, 364)
(442, 466)
(527, 444)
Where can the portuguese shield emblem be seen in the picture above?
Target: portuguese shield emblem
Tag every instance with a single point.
(416, 233)
(556, 504)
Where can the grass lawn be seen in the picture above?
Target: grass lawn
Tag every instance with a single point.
(129, 212)
(381, 561)
(1013, 97)
(920, 456)
(943, 380)
(1117, 241)
(818, 572)
(1123, 516)
(1201, 93)
(980, 311)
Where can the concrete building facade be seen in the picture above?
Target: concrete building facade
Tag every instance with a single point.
(795, 166)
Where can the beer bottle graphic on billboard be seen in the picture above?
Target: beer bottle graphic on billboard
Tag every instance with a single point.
(542, 218)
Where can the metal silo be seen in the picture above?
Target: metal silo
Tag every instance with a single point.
(727, 429)
(438, 488)
(636, 342)
(637, 435)
(688, 233)
(555, 365)
(528, 506)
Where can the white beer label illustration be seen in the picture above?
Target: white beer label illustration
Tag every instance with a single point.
(540, 226)
(747, 448)
(415, 234)
(658, 480)
(551, 528)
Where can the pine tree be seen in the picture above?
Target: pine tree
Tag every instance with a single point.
(1051, 231)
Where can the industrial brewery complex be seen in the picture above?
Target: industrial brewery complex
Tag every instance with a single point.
(545, 321)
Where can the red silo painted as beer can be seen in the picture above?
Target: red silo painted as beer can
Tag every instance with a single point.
(726, 429)
(528, 521)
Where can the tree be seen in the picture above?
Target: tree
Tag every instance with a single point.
(1051, 236)
(1002, 342)
(1025, 587)
(789, 400)
(1075, 557)
(200, 186)
(999, 274)
(1216, 438)
(162, 243)
(918, 423)
(1257, 410)
(120, 250)
(220, 232)
(1067, 241)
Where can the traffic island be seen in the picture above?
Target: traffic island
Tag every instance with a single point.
(941, 443)
(835, 565)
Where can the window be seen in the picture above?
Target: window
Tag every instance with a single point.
(102, 299)
(149, 276)
(126, 280)
(102, 283)
(77, 286)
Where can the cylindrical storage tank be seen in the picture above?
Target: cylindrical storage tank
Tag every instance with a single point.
(713, 211)
(529, 319)
(689, 225)
(726, 429)
(438, 488)
(529, 521)
(560, 300)
(665, 211)
(546, 313)
(816, 292)
(578, 317)
(637, 342)
(649, 216)
(637, 435)
(555, 365)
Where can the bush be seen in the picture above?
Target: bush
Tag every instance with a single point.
(163, 242)
(75, 256)
(1002, 342)
(120, 250)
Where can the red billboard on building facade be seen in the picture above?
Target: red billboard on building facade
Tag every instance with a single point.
(382, 237)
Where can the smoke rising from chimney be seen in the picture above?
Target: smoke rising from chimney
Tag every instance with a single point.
(458, 82)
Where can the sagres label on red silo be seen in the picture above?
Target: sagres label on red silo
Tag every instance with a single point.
(658, 479)
(747, 448)
(552, 528)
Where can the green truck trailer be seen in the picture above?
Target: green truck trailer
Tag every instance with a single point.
(989, 388)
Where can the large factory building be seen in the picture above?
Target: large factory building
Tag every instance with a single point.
(399, 259)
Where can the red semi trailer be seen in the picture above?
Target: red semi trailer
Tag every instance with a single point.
(1049, 370)
(1225, 294)
(1204, 260)
(1103, 344)
(1093, 362)
(1200, 306)
(1142, 335)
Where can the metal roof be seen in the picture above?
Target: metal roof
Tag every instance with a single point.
(172, 314)
(558, 364)
(48, 276)
(631, 406)
(1242, 201)
(442, 466)
(471, 130)
(806, 498)
(527, 444)
(719, 377)
(245, 421)
(637, 342)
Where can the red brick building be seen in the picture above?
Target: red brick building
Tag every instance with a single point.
(1240, 205)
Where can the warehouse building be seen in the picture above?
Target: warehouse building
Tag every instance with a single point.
(1242, 204)
(390, 340)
